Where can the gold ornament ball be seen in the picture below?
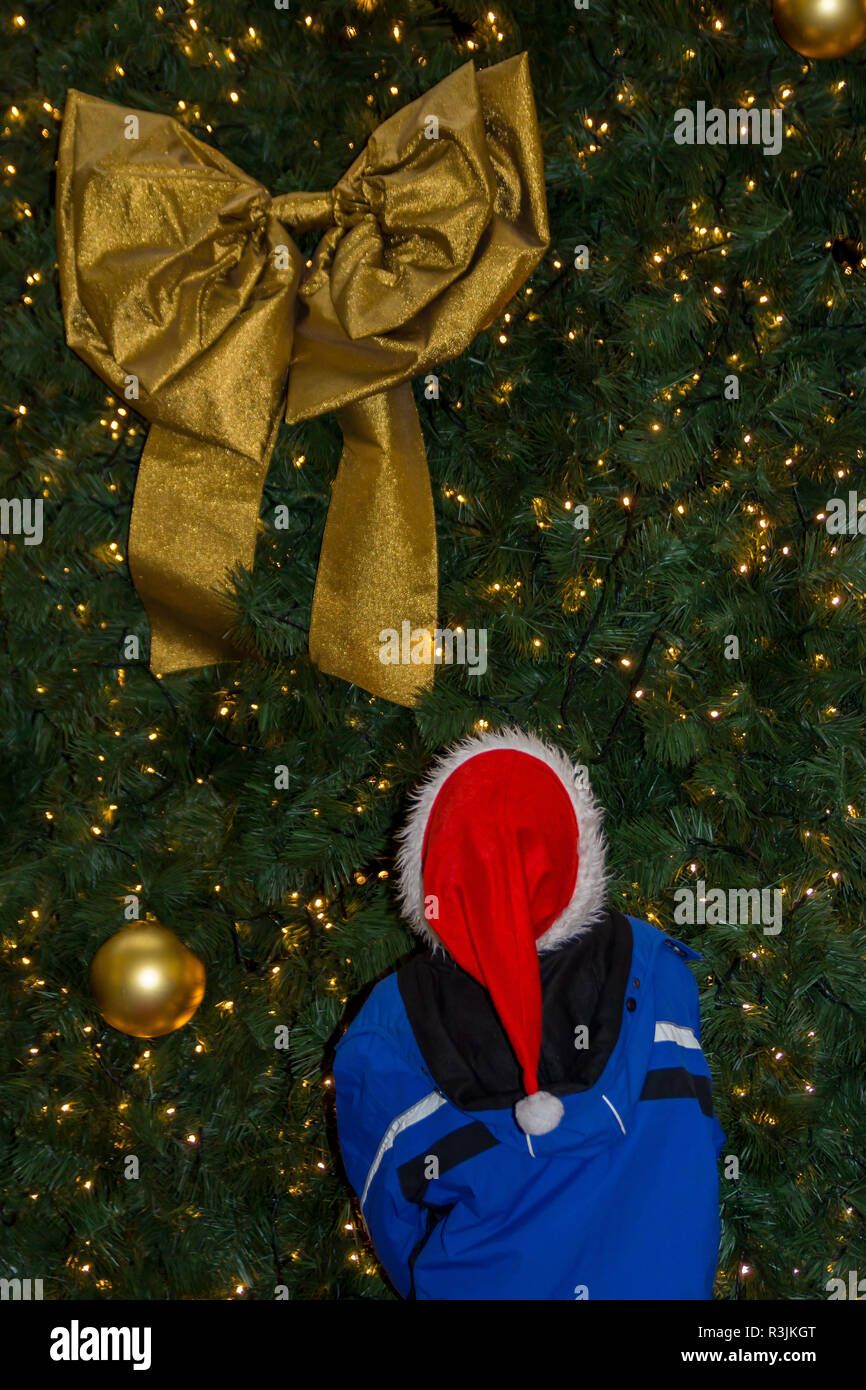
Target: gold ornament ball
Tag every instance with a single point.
(145, 981)
(821, 28)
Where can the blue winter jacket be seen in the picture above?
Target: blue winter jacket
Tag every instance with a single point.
(620, 1201)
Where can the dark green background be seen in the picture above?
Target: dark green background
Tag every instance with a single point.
(768, 794)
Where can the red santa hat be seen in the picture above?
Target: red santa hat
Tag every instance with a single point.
(503, 845)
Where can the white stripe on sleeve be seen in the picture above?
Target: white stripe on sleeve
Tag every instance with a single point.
(675, 1033)
(428, 1105)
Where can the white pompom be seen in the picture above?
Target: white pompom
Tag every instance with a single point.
(539, 1113)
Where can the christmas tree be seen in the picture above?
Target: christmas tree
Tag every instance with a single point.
(636, 470)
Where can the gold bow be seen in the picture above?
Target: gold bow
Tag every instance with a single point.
(180, 282)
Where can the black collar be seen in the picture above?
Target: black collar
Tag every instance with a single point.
(464, 1044)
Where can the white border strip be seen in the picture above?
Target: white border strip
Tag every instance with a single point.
(676, 1033)
(428, 1105)
(616, 1112)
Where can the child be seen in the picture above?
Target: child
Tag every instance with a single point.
(524, 1110)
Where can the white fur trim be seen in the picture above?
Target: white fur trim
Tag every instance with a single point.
(588, 900)
(539, 1113)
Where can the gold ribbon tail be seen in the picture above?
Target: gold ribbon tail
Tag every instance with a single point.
(375, 603)
(194, 519)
